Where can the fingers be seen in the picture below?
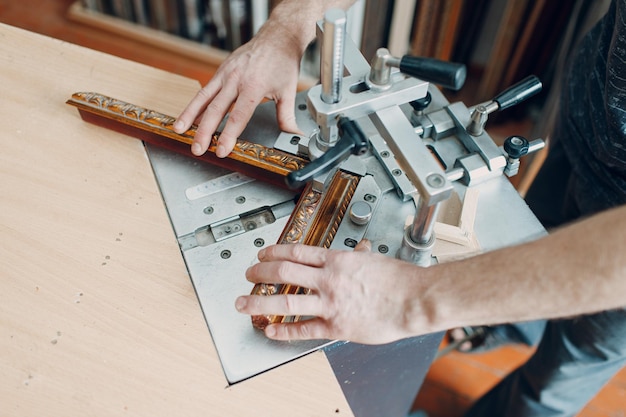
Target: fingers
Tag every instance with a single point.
(196, 106)
(284, 272)
(285, 114)
(238, 118)
(212, 102)
(281, 305)
(213, 115)
(294, 252)
(302, 330)
(363, 246)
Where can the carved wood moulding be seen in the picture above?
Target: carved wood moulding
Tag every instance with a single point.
(317, 215)
(252, 159)
(314, 222)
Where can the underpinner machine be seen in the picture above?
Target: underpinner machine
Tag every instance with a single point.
(382, 154)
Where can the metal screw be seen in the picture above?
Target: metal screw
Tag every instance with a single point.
(225, 254)
(396, 172)
(240, 200)
(351, 243)
(294, 140)
(435, 180)
(385, 154)
(383, 248)
(208, 210)
(370, 198)
(250, 226)
(259, 242)
(302, 107)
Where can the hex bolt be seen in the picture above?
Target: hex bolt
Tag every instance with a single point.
(259, 242)
(383, 248)
(225, 254)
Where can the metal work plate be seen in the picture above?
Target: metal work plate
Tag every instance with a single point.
(198, 195)
(221, 219)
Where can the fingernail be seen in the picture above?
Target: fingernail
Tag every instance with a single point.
(261, 254)
(196, 149)
(179, 126)
(240, 303)
(270, 331)
(221, 151)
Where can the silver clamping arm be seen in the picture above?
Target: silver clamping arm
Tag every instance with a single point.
(447, 74)
(513, 95)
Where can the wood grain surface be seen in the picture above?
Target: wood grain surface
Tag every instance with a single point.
(98, 316)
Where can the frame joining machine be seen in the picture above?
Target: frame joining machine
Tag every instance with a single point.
(383, 156)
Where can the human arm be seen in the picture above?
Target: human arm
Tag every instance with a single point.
(266, 67)
(369, 298)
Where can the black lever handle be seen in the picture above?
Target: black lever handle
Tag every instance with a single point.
(352, 141)
(447, 74)
(519, 92)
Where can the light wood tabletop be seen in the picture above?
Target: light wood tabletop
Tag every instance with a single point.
(98, 316)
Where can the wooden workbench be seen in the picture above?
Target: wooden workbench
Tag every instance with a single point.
(98, 316)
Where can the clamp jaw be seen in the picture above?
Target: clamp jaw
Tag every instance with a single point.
(409, 140)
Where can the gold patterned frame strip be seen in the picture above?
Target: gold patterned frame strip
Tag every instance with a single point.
(252, 159)
(314, 222)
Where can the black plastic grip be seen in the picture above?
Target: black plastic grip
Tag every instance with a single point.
(519, 92)
(352, 141)
(447, 74)
(516, 146)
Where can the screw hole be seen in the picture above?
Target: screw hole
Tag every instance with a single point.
(351, 243)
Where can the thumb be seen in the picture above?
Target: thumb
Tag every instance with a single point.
(363, 246)
(286, 116)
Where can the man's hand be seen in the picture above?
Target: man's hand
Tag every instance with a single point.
(266, 67)
(355, 296)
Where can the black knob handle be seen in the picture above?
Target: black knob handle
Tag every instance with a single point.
(352, 141)
(447, 74)
(519, 92)
(421, 103)
(516, 146)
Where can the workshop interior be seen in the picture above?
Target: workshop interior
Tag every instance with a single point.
(469, 81)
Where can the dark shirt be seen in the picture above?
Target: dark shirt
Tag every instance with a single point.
(592, 123)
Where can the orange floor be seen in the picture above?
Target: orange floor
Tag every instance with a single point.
(455, 380)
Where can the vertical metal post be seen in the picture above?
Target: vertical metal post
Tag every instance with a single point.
(423, 227)
(333, 44)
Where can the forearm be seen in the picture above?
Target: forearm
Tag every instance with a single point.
(578, 269)
(296, 19)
